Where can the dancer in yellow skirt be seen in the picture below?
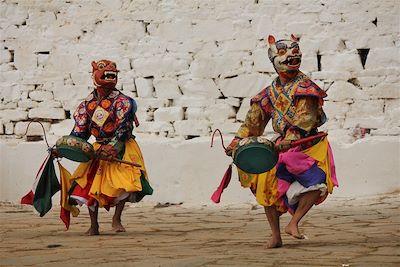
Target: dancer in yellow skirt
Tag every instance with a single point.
(109, 116)
(304, 175)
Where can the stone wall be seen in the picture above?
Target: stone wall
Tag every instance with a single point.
(193, 65)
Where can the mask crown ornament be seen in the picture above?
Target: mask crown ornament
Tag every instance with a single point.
(104, 73)
(284, 54)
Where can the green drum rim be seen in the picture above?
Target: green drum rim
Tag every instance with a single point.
(255, 158)
(73, 153)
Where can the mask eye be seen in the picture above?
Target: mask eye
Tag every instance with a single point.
(294, 45)
(101, 65)
(281, 51)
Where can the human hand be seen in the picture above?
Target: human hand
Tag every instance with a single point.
(107, 151)
(232, 146)
(54, 153)
(283, 146)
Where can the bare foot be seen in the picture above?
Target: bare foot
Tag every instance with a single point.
(293, 230)
(274, 243)
(93, 230)
(117, 226)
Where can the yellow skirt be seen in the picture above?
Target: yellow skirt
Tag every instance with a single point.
(267, 188)
(106, 181)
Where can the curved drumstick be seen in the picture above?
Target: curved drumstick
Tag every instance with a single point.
(279, 147)
(119, 160)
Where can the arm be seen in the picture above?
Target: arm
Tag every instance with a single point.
(124, 116)
(81, 128)
(306, 119)
(254, 125)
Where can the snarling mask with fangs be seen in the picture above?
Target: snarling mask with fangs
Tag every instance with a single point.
(105, 73)
(285, 55)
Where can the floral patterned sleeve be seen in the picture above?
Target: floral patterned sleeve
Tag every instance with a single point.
(255, 122)
(81, 128)
(125, 111)
(306, 117)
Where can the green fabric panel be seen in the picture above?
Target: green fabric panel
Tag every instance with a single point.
(47, 186)
(146, 189)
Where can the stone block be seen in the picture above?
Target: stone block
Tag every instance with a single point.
(169, 114)
(378, 57)
(71, 92)
(220, 112)
(232, 101)
(47, 113)
(335, 110)
(244, 85)
(195, 113)
(212, 30)
(10, 92)
(118, 31)
(5, 56)
(244, 108)
(9, 128)
(384, 90)
(226, 127)
(2, 131)
(263, 26)
(331, 76)
(191, 101)
(310, 64)
(391, 131)
(151, 103)
(159, 66)
(50, 104)
(63, 127)
(9, 105)
(369, 81)
(200, 88)
(392, 104)
(239, 44)
(349, 61)
(374, 122)
(179, 30)
(13, 115)
(341, 91)
(195, 127)
(154, 127)
(261, 61)
(40, 95)
(167, 88)
(216, 66)
(129, 87)
(144, 87)
(34, 128)
(366, 108)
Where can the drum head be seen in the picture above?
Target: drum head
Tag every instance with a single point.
(255, 158)
(74, 148)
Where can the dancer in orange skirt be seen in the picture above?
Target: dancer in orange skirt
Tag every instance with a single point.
(109, 116)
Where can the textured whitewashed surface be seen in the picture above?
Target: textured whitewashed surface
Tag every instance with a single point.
(192, 66)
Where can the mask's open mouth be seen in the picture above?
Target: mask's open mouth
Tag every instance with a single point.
(292, 61)
(109, 75)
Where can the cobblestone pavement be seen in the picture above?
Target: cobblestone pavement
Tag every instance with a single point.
(341, 232)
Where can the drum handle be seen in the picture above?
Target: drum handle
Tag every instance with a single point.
(44, 132)
(119, 160)
(212, 138)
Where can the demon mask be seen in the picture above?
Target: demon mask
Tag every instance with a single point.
(285, 55)
(105, 74)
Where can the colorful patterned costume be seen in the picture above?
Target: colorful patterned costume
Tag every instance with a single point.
(296, 111)
(110, 120)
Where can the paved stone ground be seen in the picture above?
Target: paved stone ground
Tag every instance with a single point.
(341, 232)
